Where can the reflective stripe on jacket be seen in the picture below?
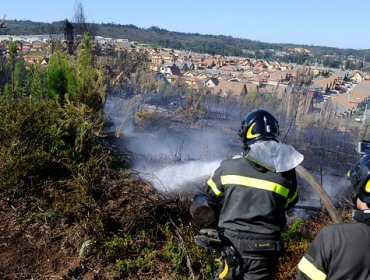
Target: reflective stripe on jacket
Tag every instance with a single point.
(253, 198)
(339, 251)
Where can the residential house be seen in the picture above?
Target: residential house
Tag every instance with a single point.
(228, 67)
(189, 74)
(246, 63)
(260, 64)
(210, 61)
(212, 82)
(356, 76)
(278, 77)
(184, 56)
(273, 65)
(155, 57)
(347, 103)
(168, 55)
(185, 66)
(172, 70)
(226, 88)
(198, 63)
(203, 76)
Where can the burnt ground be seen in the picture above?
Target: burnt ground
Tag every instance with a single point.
(32, 249)
(33, 246)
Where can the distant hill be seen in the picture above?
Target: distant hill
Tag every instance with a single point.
(212, 44)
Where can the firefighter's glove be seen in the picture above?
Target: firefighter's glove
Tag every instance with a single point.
(231, 255)
(208, 238)
(232, 263)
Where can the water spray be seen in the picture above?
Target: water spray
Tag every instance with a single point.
(174, 178)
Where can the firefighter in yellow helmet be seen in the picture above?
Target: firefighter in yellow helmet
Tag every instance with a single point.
(341, 251)
(245, 201)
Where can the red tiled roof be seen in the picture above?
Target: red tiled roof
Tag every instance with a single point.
(350, 101)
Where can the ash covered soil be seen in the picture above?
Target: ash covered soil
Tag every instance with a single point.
(33, 246)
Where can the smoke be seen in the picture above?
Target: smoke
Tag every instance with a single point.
(181, 178)
(334, 185)
(177, 162)
(173, 160)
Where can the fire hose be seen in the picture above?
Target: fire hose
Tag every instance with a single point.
(324, 197)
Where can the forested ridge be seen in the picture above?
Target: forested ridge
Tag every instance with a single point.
(212, 44)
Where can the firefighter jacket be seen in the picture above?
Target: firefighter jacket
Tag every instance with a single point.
(252, 199)
(339, 251)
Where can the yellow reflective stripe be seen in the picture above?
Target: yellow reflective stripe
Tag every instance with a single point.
(250, 134)
(310, 270)
(254, 183)
(289, 200)
(213, 186)
(367, 186)
(225, 271)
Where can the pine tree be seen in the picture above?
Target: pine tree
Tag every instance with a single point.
(13, 60)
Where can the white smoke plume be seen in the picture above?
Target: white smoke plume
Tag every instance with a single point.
(174, 162)
(182, 178)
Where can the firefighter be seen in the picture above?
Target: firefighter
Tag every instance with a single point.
(340, 251)
(245, 201)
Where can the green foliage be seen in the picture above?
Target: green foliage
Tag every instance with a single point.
(131, 254)
(172, 253)
(79, 121)
(12, 60)
(293, 231)
(60, 78)
(144, 253)
(29, 141)
(20, 75)
(90, 87)
(35, 85)
(180, 245)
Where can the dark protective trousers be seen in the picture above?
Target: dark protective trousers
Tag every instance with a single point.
(251, 269)
(255, 259)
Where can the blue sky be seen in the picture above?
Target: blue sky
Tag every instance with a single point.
(340, 23)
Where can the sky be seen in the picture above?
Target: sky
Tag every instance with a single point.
(339, 23)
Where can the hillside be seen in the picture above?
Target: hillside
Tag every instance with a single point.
(71, 202)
